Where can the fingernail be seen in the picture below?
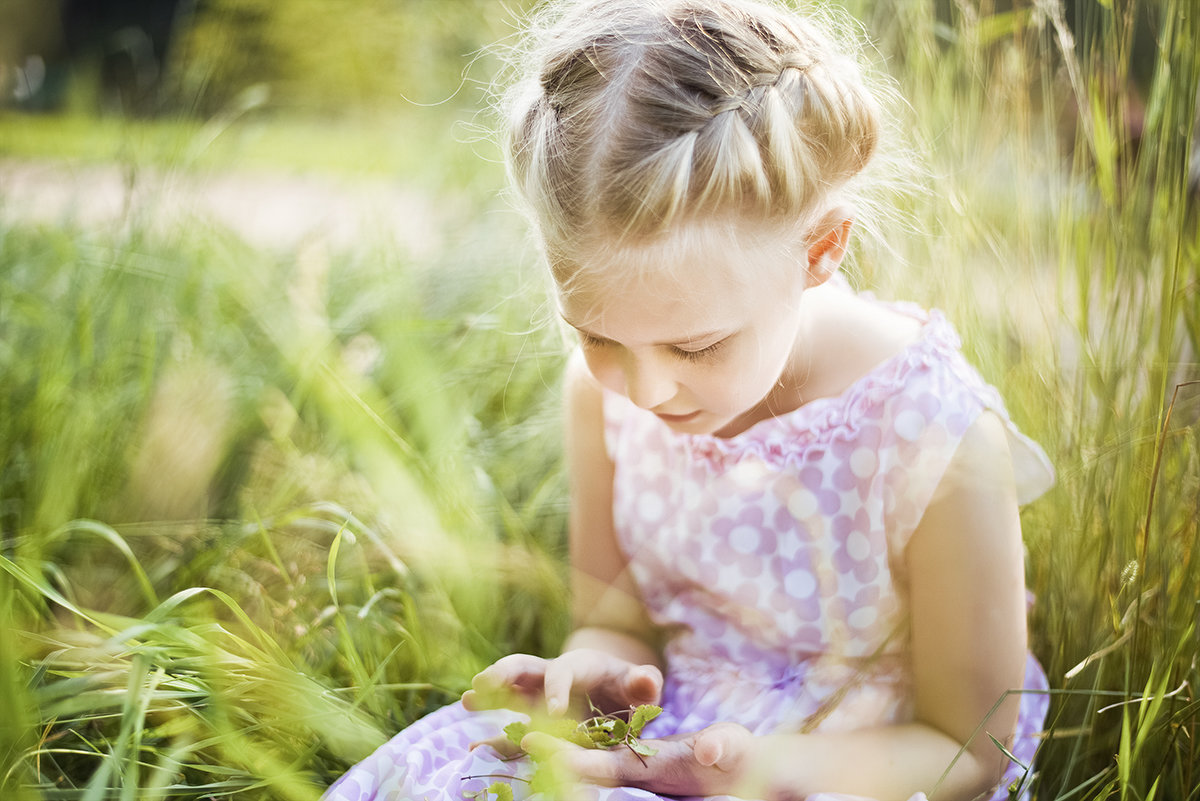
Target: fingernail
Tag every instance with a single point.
(712, 758)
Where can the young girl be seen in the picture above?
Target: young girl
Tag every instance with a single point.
(793, 517)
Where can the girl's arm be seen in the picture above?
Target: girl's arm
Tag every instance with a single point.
(610, 661)
(966, 566)
(966, 575)
(605, 607)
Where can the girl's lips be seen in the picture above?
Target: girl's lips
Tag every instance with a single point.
(677, 418)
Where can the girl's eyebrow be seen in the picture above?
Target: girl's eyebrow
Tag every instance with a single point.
(689, 340)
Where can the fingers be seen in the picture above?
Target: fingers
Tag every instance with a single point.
(472, 702)
(541, 746)
(670, 771)
(586, 678)
(607, 768)
(512, 682)
(568, 760)
(559, 678)
(709, 749)
(503, 746)
(643, 685)
(720, 746)
(555, 774)
(524, 682)
(709, 762)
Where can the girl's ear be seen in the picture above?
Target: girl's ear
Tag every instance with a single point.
(827, 246)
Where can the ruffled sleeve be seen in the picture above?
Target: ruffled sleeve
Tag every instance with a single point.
(935, 396)
(1031, 467)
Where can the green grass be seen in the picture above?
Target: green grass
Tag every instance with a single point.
(1074, 273)
(359, 144)
(261, 509)
(292, 535)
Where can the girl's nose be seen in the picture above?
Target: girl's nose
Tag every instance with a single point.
(647, 383)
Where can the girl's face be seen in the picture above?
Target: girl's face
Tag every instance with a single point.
(707, 335)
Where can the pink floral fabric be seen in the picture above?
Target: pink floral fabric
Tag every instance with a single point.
(775, 559)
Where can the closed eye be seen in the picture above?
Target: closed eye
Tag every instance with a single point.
(589, 341)
(707, 353)
(701, 354)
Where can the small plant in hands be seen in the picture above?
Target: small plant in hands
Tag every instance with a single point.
(599, 731)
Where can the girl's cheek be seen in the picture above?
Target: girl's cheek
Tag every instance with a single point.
(605, 369)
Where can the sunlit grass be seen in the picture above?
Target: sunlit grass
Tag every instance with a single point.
(321, 503)
(1075, 279)
(391, 143)
(260, 510)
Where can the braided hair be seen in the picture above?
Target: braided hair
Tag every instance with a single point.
(641, 116)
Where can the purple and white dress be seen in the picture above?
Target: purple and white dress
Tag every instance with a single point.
(775, 558)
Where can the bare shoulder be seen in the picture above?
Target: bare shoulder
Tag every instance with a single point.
(577, 377)
(982, 463)
(584, 418)
(582, 394)
(972, 523)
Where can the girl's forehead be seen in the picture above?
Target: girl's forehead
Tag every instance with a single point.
(604, 300)
(696, 282)
(723, 254)
(635, 315)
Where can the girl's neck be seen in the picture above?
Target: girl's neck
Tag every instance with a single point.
(789, 392)
(841, 338)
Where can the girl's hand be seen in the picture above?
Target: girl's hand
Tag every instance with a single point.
(567, 683)
(713, 761)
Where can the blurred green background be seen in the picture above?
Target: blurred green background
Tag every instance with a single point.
(279, 450)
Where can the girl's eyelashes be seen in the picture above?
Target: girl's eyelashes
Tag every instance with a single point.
(706, 353)
(701, 354)
(589, 341)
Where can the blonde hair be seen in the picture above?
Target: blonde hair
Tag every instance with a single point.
(638, 117)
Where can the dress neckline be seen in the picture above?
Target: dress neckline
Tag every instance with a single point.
(784, 437)
(934, 337)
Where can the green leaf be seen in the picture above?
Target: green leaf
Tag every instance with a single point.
(641, 749)
(600, 738)
(502, 791)
(619, 729)
(564, 729)
(516, 731)
(580, 737)
(641, 716)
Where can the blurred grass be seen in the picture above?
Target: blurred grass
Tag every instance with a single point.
(336, 458)
(395, 143)
(1068, 251)
(260, 509)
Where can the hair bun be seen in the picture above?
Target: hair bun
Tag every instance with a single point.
(642, 115)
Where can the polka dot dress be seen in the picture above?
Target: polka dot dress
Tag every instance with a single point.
(775, 558)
